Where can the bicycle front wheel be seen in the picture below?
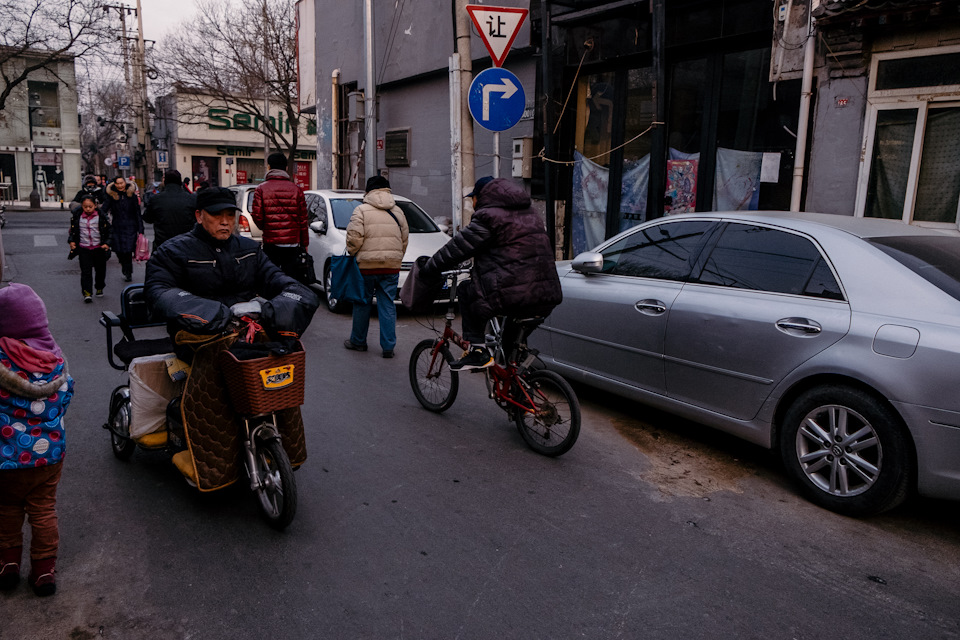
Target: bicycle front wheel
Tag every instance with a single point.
(277, 489)
(553, 428)
(434, 384)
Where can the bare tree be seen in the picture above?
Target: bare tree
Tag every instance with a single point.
(35, 34)
(234, 57)
(104, 109)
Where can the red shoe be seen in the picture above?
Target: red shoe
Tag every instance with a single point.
(10, 568)
(42, 576)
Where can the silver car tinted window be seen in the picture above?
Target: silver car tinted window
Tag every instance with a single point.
(765, 259)
(663, 251)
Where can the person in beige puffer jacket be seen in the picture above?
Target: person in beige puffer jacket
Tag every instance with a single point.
(377, 237)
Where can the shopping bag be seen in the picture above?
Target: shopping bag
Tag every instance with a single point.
(306, 273)
(347, 281)
(418, 294)
(142, 252)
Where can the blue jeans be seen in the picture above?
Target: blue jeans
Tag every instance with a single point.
(385, 288)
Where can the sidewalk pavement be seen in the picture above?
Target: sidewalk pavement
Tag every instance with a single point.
(24, 205)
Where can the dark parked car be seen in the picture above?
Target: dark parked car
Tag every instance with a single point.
(833, 339)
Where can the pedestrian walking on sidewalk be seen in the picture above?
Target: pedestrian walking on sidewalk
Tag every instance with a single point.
(123, 207)
(89, 240)
(377, 237)
(35, 390)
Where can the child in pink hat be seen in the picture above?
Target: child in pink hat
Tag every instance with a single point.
(35, 390)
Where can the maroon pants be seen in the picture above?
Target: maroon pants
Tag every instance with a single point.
(31, 492)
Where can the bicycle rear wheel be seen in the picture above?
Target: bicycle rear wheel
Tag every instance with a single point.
(555, 426)
(434, 384)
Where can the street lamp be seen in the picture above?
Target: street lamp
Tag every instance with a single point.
(31, 108)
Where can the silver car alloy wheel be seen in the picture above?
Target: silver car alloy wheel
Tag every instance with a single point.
(839, 450)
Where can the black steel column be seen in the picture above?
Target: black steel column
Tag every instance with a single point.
(658, 150)
(549, 144)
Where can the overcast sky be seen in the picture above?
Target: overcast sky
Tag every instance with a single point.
(160, 16)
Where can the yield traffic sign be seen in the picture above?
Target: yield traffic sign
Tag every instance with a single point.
(498, 27)
(496, 99)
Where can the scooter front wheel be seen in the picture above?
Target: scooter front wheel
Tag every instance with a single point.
(276, 487)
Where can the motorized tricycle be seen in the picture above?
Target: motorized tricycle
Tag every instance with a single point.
(235, 406)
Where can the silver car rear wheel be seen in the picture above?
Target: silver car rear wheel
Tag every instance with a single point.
(847, 450)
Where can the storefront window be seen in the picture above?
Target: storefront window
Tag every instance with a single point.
(688, 91)
(938, 188)
(912, 170)
(44, 104)
(591, 174)
(890, 169)
(206, 169)
(636, 152)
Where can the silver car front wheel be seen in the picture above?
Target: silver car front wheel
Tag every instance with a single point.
(847, 450)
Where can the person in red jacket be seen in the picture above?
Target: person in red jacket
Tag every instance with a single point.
(280, 210)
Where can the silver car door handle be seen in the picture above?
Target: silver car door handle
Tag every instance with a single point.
(803, 325)
(651, 307)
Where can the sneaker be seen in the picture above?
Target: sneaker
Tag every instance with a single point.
(99, 293)
(42, 578)
(127, 277)
(10, 568)
(475, 358)
(388, 353)
(354, 347)
(87, 297)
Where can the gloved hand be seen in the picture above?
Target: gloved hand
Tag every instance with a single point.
(251, 308)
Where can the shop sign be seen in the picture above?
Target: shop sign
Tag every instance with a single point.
(302, 178)
(247, 152)
(241, 176)
(222, 119)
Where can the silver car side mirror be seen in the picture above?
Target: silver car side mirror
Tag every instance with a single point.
(317, 226)
(588, 262)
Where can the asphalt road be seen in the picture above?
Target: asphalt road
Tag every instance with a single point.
(416, 525)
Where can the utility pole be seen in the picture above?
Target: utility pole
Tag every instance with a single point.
(123, 10)
(467, 159)
(266, 94)
(143, 123)
(369, 94)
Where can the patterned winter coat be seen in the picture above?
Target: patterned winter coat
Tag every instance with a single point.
(513, 264)
(280, 210)
(31, 415)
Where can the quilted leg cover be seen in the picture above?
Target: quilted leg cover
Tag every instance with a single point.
(213, 429)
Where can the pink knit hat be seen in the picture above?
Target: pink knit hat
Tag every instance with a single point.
(23, 316)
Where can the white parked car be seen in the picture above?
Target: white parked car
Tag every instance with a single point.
(330, 211)
(245, 225)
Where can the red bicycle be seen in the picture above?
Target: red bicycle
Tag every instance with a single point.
(541, 402)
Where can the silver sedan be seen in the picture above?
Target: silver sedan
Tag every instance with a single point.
(835, 340)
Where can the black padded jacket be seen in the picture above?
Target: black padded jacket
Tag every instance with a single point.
(171, 212)
(193, 279)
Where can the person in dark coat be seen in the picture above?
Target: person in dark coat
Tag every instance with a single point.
(514, 271)
(89, 188)
(172, 211)
(280, 211)
(193, 279)
(123, 207)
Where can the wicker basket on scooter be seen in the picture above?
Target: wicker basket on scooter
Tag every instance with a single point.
(262, 385)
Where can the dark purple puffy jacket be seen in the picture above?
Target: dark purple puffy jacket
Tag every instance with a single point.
(513, 264)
